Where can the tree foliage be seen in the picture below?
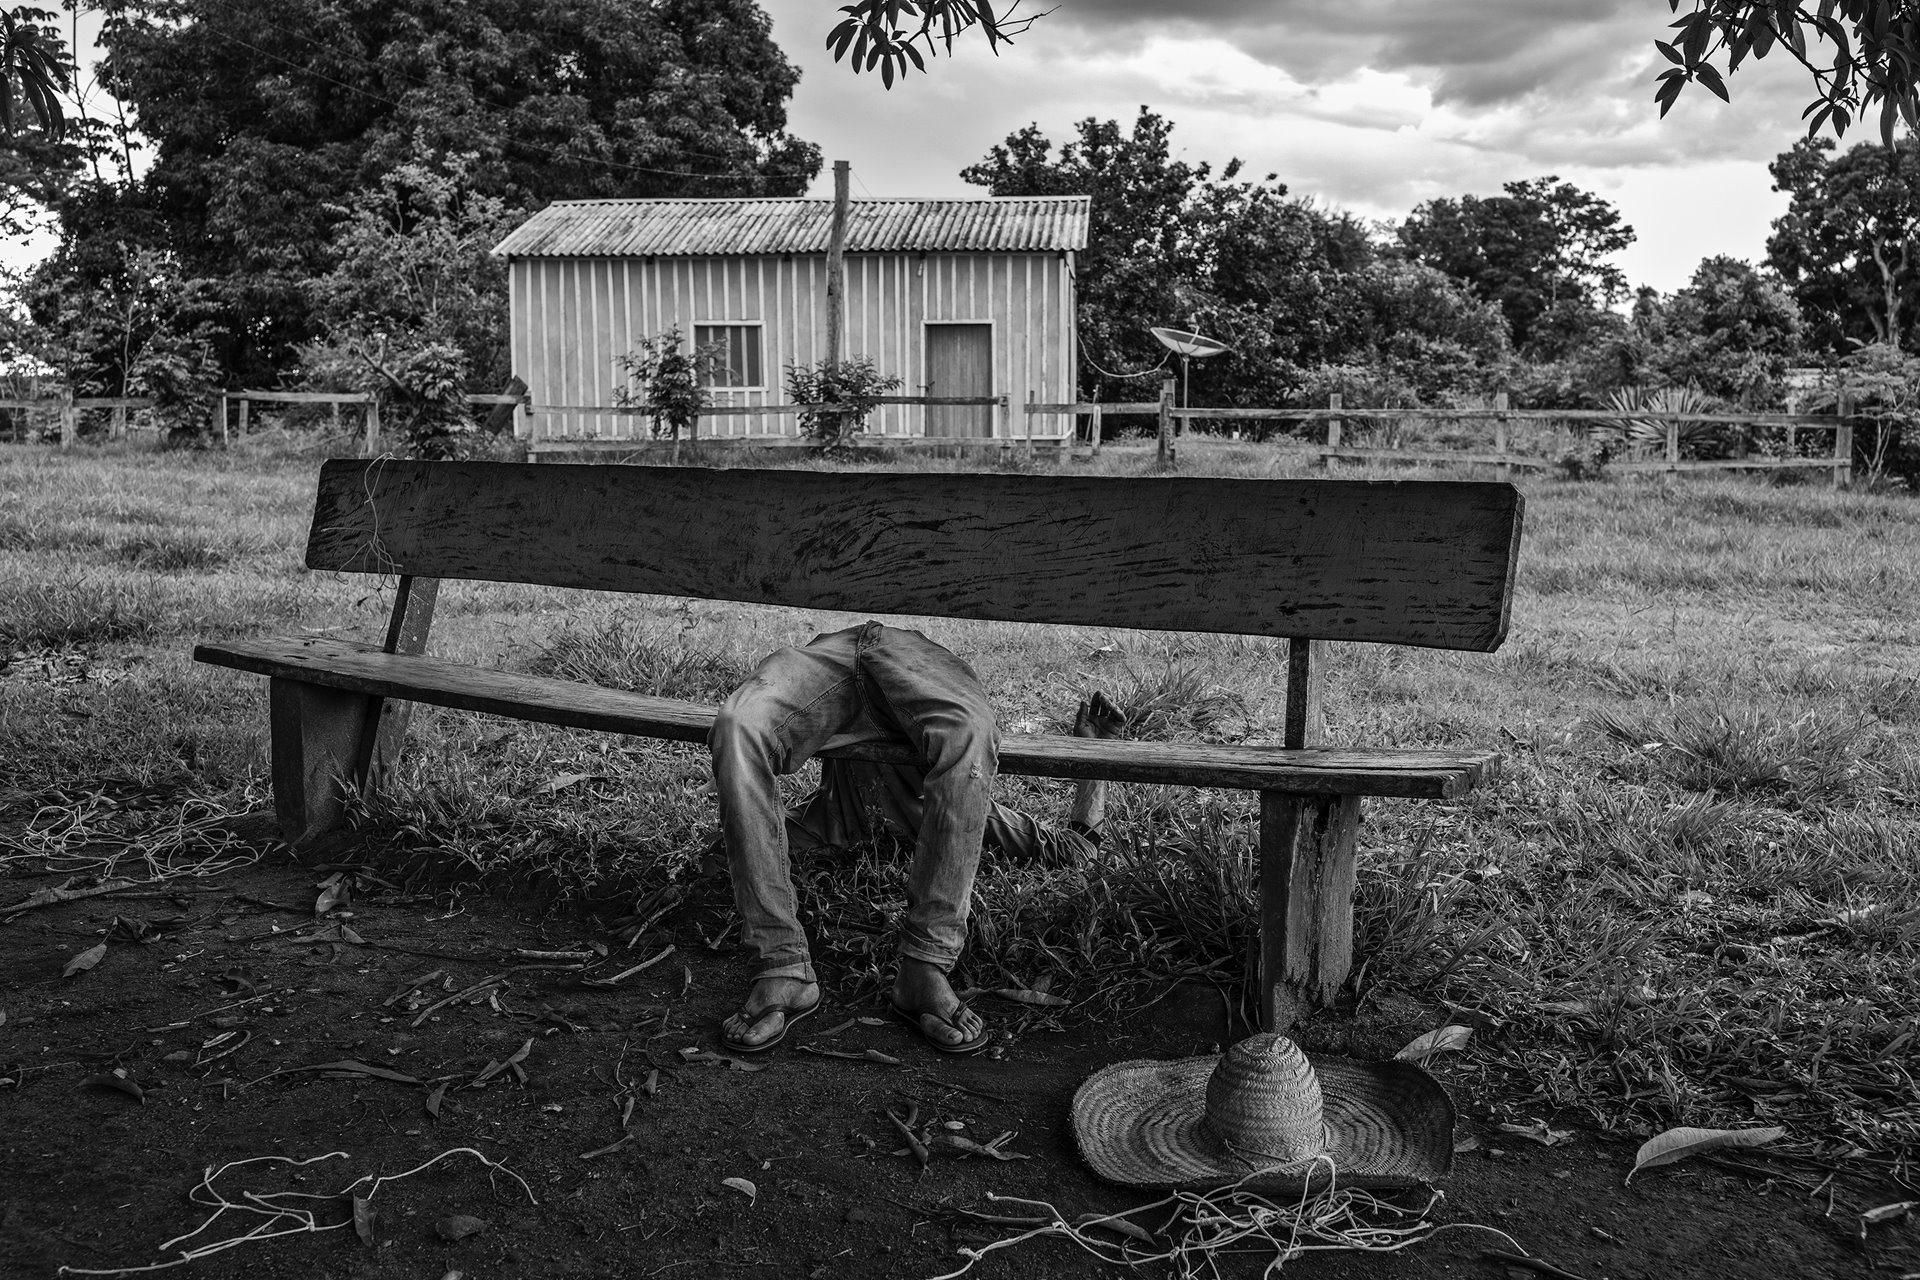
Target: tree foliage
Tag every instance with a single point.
(255, 169)
(33, 71)
(1863, 55)
(1290, 287)
(1731, 332)
(889, 35)
(1539, 248)
(1845, 244)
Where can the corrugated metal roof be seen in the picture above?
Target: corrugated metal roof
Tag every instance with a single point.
(621, 228)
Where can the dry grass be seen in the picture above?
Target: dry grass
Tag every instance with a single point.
(1693, 896)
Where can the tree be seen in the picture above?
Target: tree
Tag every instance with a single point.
(1731, 332)
(1137, 251)
(254, 169)
(414, 309)
(1542, 245)
(1844, 245)
(1290, 287)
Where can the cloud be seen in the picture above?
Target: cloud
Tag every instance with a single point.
(1374, 105)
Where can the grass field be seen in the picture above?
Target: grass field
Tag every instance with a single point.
(1692, 897)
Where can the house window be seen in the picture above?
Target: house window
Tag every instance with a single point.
(737, 347)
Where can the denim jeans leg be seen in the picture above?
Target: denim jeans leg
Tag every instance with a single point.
(936, 701)
(795, 701)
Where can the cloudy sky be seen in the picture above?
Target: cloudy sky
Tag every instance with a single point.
(1372, 105)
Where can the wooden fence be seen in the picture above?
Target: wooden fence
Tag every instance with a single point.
(543, 440)
(1173, 421)
(1043, 427)
(68, 409)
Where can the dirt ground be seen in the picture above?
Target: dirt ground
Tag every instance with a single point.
(95, 1178)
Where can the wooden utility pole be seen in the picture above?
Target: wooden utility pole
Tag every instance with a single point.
(837, 262)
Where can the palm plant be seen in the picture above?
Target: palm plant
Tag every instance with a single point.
(33, 69)
(1649, 435)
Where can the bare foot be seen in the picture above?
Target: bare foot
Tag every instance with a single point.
(921, 988)
(771, 1005)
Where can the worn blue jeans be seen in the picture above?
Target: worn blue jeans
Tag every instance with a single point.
(864, 684)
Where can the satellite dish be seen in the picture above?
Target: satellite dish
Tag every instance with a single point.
(1191, 346)
(1188, 346)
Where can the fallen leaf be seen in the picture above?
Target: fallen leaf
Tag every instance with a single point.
(363, 1219)
(458, 1226)
(1889, 1212)
(1019, 996)
(1537, 1131)
(563, 781)
(871, 1022)
(1420, 1048)
(708, 1058)
(611, 1147)
(1571, 1008)
(744, 1187)
(1677, 1144)
(85, 960)
(1468, 1143)
(433, 1099)
(113, 1080)
(968, 1146)
(343, 1067)
(334, 894)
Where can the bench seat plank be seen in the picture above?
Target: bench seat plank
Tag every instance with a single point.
(1412, 774)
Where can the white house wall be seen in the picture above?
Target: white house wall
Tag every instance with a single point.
(572, 318)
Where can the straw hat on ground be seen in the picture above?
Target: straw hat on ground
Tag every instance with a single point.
(1267, 1113)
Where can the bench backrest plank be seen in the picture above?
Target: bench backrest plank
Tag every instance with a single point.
(1402, 562)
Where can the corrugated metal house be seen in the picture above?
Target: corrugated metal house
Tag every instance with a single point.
(955, 297)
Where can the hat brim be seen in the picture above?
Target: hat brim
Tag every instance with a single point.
(1143, 1123)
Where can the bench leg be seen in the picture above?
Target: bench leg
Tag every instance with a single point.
(1307, 849)
(319, 736)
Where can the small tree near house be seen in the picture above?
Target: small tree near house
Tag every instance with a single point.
(853, 387)
(668, 381)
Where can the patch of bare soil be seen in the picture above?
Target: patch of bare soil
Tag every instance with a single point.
(200, 1039)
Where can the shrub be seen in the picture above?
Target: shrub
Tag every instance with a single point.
(671, 381)
(855, 385)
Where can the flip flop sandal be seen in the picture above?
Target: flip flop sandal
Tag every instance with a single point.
(790, 1014)
(912, 1019)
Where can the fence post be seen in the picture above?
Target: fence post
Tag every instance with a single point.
(373, 425)
(1673, 445)
(1843, 442)
(118, 430)
(246, 408)
(220, 416)
(69, 421)
(335, 406)
(1335, 403)
(1166, 422)
(1096, 428)
(1500, 435)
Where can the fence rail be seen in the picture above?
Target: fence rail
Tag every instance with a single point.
(1174, 421)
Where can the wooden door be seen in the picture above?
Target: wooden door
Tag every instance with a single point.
(960, 363)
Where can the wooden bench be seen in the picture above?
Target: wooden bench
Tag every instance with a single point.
(1310, 561)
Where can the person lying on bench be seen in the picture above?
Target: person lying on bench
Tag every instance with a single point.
(865, 684)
